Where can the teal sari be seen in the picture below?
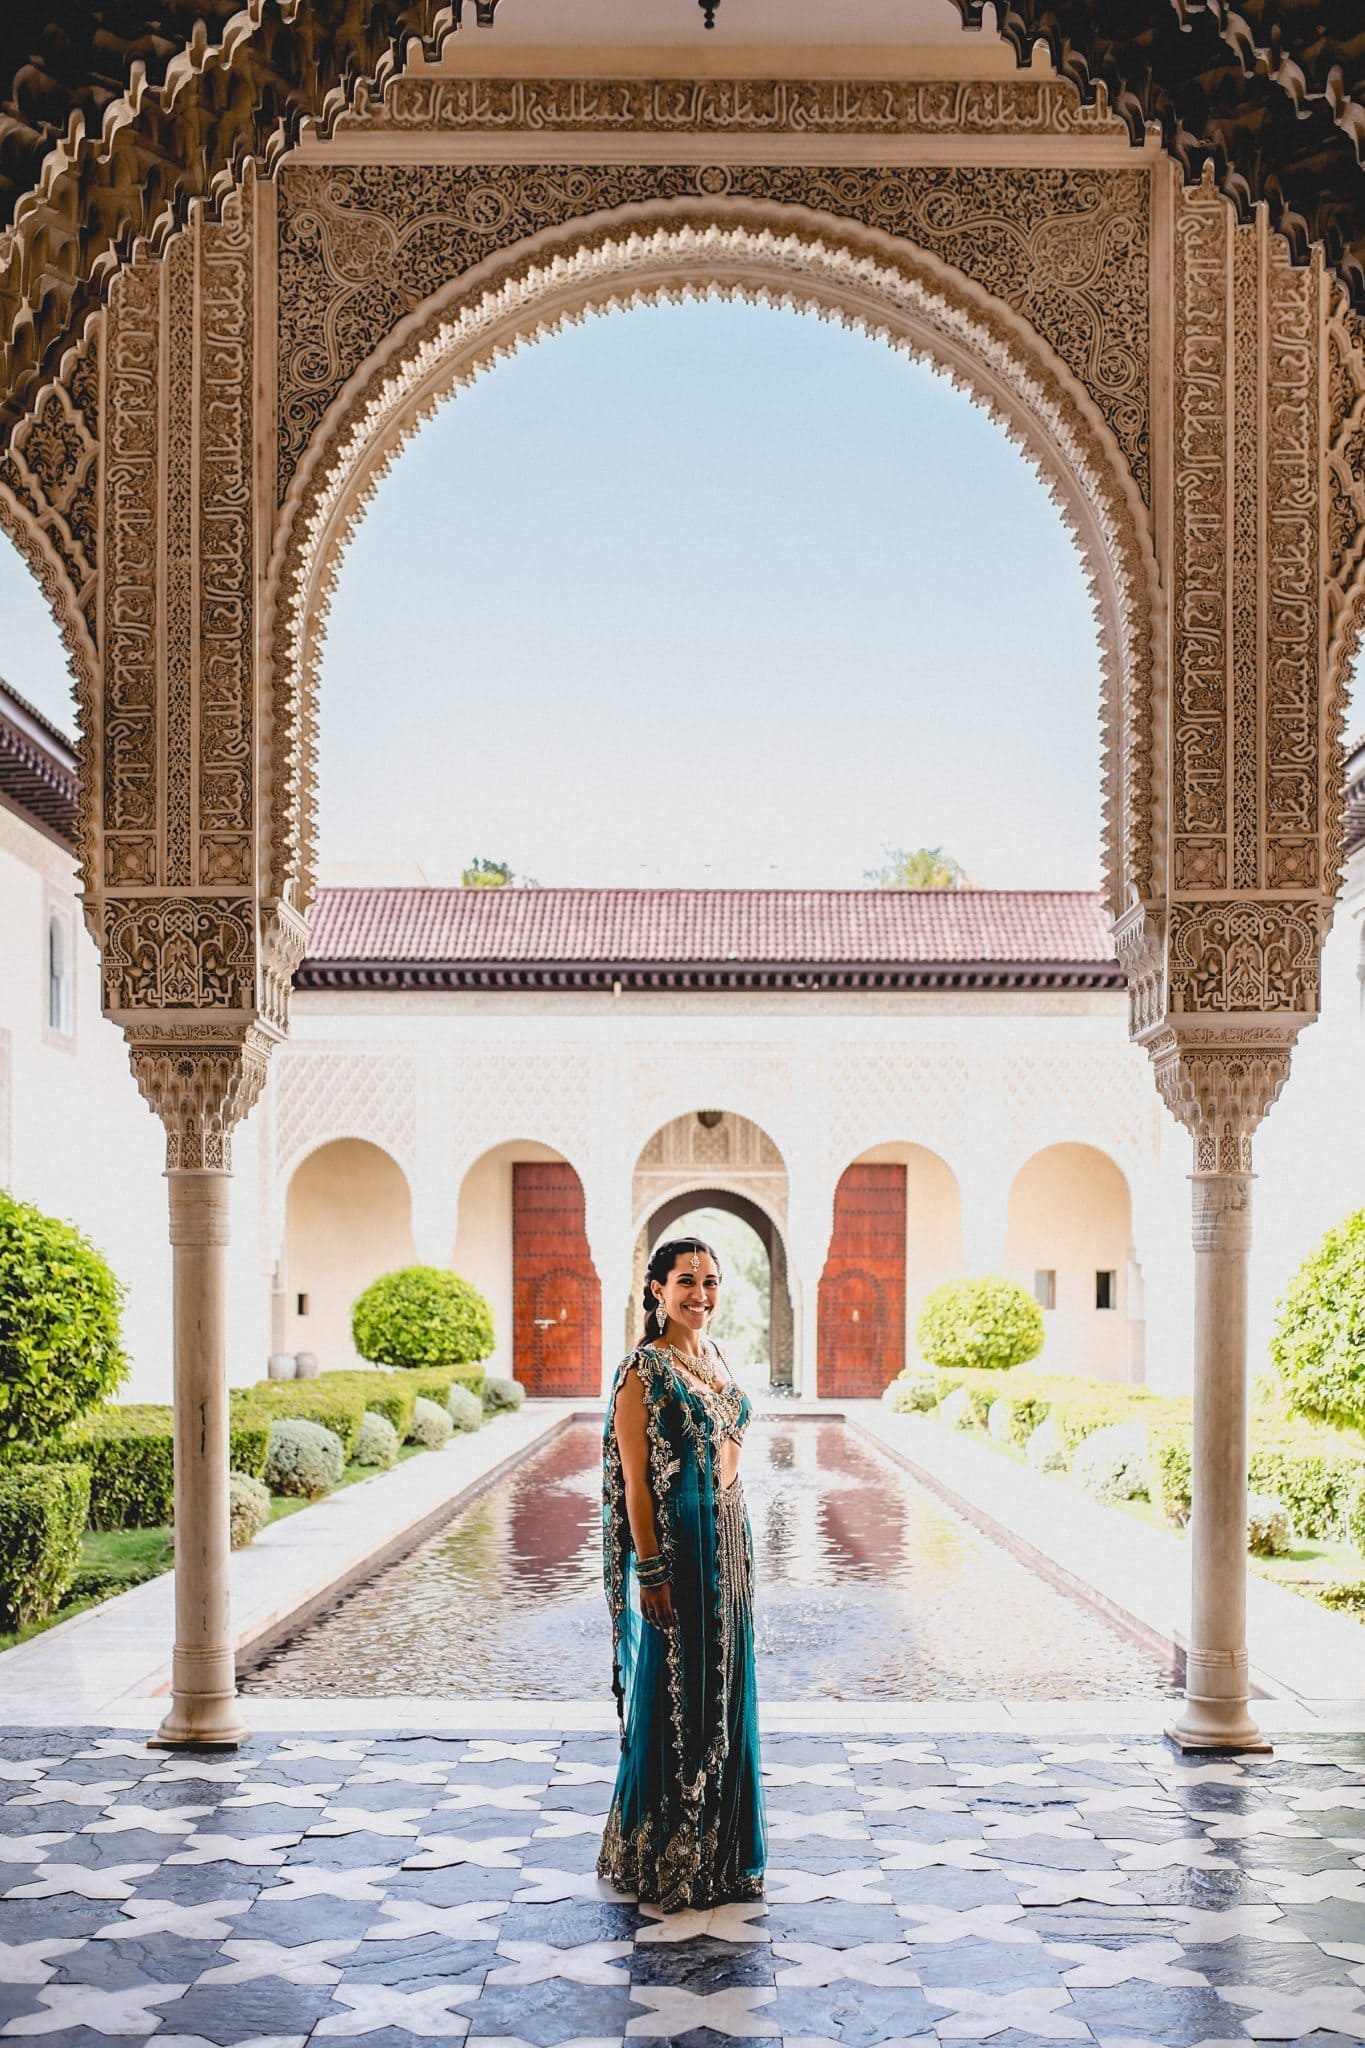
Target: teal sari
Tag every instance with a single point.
(686, 1825)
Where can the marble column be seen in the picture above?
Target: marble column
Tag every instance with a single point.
(204, 1708)
(1215, 1714)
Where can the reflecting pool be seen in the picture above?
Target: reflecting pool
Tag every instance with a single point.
(868, 1587)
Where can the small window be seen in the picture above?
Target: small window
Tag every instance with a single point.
(58, 974)
(1106, 1290)
(1045, 1287)
(301, 1304)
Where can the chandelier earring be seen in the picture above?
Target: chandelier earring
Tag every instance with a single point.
(661, 1317)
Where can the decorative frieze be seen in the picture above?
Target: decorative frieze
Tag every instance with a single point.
(179, 953)
(982, 108)
(129, 736)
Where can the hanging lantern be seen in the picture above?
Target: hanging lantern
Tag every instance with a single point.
(708, 8)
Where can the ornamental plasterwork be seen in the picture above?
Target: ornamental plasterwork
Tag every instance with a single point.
(1075, 1095)
(361, 245)
(982, 108)
(752, 1083)
(733, 1153)
(357, 1091)
(531, 1093)
(897, 1092)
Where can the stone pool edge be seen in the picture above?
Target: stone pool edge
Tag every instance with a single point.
(1136, 1576)
(119, 1652)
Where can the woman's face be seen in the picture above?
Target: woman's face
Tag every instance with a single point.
(691, 1291)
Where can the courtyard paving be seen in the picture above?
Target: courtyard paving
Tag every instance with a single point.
(928, 1886)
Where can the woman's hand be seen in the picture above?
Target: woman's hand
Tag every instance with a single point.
(656, 1605)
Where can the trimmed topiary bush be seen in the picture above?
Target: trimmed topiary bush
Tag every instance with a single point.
(304, 1459)
(1270, 1532)
(993, 1322)
(130, 1455)
(1318, 1346)
(464, 1409)
(422, 1315)
(248, 1507)
(377, 1443)
(1111, 1463)
(432, 1425)
(60, 1345)
(499, 1393)
(911, 1394)
(43, 1511)
(1347, 1596)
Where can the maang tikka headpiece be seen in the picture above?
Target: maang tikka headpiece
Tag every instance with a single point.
(696, 1262)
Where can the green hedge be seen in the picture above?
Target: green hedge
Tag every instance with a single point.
(337, 1407)
(131, 1458)
(1092, 1407)
(60, 1345)
(43, 1511)
(1319, 1479)
(390, 1394)
(982, 1383)
(434, 1382)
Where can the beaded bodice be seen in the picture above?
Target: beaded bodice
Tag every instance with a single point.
(727, 1408)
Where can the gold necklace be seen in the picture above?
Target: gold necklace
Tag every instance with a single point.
(700, 1368)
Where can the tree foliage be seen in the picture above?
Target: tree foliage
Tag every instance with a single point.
(60, 1342)
(919, 867)
(487, 874)
(990, 1322)
(1318, 1345)
(422, 1315)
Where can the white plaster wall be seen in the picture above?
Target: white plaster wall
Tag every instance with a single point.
(1069, 1213)
(482, 1251)
(75, 1135)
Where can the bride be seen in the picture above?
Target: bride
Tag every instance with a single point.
(686, 1825)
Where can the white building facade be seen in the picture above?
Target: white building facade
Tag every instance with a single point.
(624, 1056)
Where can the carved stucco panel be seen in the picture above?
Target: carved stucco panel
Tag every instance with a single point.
(532, 1093)
(368, 1091)
(362, 245)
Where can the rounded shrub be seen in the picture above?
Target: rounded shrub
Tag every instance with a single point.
(432, 1425)
(956, 1410)
(1111, 1463)
(464, 1409)
(248, 1507)
(911, 1394)
(1318, 1345)
(500, 1393)
(1270, 1533)
(992, 1322)
(1045, 1449)
(377, 1443)
(304, 1458)
(61, 1352)
(422, 1315)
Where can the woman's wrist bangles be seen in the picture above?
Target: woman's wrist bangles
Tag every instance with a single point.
(651, 1572)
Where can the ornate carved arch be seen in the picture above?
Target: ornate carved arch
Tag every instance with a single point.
(759, 250)
(38, 551)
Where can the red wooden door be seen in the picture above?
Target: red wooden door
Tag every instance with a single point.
(556, 1294)
(861, 1337)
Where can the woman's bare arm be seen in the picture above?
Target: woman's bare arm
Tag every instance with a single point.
(656, 1603)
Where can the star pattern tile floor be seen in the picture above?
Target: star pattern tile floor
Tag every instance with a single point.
(392, 1890)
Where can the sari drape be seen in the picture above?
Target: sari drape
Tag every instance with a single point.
(686, 1824)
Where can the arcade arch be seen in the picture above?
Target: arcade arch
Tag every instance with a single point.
(781, 1316)
(347, 1219)
(1069, 1238)
(519, 1238)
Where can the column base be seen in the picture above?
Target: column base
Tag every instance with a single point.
(202, 1721)
(1205, 1724)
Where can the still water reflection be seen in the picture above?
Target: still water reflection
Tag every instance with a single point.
(867, 1588)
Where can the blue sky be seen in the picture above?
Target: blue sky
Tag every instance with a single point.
(703, 594)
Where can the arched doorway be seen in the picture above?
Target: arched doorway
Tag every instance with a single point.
(683, 1214)
(1069, 1238)
(348, 1218)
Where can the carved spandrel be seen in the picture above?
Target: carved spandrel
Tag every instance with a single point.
(1066, 248)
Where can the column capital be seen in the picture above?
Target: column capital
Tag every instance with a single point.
(201, 1082)
(1220, 1083)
